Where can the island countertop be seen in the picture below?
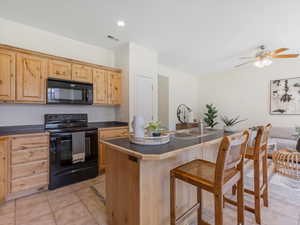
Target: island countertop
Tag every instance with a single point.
(138, 177)
(159, 152)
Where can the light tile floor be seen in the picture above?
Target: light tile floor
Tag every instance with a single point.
(79, 204)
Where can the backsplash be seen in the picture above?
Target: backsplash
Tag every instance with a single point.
(30, 114)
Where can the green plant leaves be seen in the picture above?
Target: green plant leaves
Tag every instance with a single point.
(211, 115)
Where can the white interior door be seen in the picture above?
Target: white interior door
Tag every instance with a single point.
(144, 98)
(163, 100)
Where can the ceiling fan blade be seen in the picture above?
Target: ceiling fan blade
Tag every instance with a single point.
(285, 56)
(245, 63)
(247, 57)
(279, 50)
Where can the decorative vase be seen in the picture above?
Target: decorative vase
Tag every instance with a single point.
(228, 129)
(138, 125)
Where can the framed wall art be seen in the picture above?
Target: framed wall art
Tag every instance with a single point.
(285, 97)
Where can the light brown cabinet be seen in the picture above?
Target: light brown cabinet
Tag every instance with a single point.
(59, 69)
(7, 75)
(105, 134)
(114, 88)
(31, 78)
(4, 168)
(23, 76)
(82, 73)
(100, 86)
(29, 164)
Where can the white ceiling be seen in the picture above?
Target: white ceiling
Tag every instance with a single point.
(196, 36)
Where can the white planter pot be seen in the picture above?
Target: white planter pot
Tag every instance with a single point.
(229, 129)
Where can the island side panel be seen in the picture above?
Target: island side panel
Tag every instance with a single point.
(155, 189)
(122, 189)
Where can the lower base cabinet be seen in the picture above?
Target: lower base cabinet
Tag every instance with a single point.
(4, 168)
(24, 165)
(105, 134)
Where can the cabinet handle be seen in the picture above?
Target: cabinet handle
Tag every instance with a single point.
(57, 72)
(0, 81)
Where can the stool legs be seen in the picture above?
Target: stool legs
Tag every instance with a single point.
(218, 209)
(265, 181)
(172, 200)
(240, 201)
(257, 191)
(199, 199)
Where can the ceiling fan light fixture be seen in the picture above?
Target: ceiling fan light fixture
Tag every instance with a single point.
(259, 64)
(263, 62)
(267, 61)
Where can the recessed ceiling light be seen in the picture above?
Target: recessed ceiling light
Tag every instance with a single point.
(121, 23)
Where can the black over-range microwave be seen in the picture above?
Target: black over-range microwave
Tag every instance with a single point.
(69, 92)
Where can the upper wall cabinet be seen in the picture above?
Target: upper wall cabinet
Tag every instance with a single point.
(100, 86)
(114, 88)
(7, 75)
(31, 77)
(59, 69)
(23, 76)
(82, 73)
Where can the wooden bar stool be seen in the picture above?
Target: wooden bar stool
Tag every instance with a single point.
(216, 178)
(259, 154)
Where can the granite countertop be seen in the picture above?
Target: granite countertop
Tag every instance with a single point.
(28, 129)
(175, 145)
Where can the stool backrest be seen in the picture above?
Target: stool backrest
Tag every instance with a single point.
(261, 139)
(231, 155)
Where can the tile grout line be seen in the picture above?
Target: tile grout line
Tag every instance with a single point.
(87, 208)
(15, 203)
(52, 211)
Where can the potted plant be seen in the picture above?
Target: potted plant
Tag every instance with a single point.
(230, 123)
(154, 129)
(211, 115)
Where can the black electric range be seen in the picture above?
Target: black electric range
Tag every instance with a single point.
(63, 169)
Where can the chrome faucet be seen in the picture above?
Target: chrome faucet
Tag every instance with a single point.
(201, 127)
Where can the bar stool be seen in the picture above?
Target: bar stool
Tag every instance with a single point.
(259, 154)
(216, 178)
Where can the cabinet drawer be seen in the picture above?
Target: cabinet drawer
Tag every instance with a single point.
(29, 169)
(29, 155)
(26, 183)
(115, 133)
(29, 142)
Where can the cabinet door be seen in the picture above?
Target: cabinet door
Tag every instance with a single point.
(114, 88)
(31, 78)
(82, 73)
(4, 151)
(59, 69)
(7, 75)
(100, 86)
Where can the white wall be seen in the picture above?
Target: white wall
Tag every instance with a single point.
(246, 92)
(184, 89)
(28, 114)
(163, 100)
(135, 60)
(27, 37)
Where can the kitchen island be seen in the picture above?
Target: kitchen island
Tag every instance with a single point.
(138, 178)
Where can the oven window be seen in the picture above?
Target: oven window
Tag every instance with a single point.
(65, 152)
(67, 94)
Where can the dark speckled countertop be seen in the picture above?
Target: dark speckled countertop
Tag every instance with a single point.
(28, 129)
(165, 150)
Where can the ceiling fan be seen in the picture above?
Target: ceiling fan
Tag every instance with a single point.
(264, 56)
